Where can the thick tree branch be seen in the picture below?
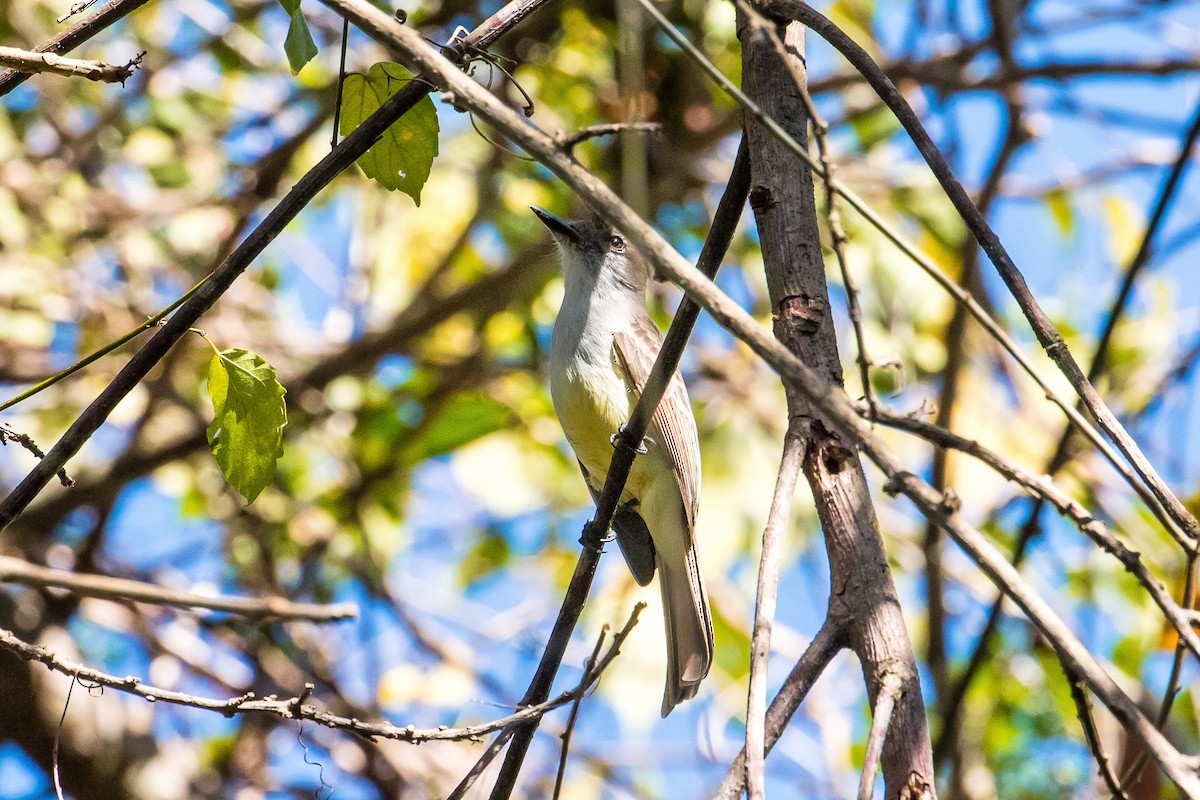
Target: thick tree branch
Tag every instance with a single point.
(15, 570)
(863, 596)
(1043, 328)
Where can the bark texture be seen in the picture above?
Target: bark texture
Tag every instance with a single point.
(863, 604)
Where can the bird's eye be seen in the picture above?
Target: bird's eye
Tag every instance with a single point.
(617, 244)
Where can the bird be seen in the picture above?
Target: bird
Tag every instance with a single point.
(602, 349)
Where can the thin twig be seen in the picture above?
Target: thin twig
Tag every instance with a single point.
(341, 79)
(764, 608)
(588, 668)
(151, 322)
(7, 434)
(78, 8)
(296, 707)
(58, 790)
(568, 143)
(15, 570)
(881, 718)
(33, 62)
(489, 755)
(74, 36)
(820, 651)
(1042, 487)
(1083, 709)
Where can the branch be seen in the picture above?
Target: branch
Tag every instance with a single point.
(948, 73)
(989, 324)
(885, 703)
(832, 403)
(508, 732)
(1061, 455)
(34, 62)
(588, 668)
(342, 156)
(15, 570)
(568, 143)
(1045, 489)
(74, 36)
(764, 609)
(821, 650)
(296, 707)
(1083, 708)
(1043, 328)
(7, 434)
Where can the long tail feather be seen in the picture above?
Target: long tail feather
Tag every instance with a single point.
(689, 629)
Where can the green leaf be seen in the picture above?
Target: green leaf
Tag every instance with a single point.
(874, 125)
(486, 556)
(403, 156)
(246, 434)
(299, 44)
(459, 421)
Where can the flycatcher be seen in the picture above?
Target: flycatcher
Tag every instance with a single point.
(603, 347)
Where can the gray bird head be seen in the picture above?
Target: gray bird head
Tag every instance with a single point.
(597, 250)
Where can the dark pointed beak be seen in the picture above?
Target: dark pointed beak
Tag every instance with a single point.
(564, 231)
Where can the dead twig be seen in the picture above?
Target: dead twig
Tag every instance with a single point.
(15, 570)
(33, 62)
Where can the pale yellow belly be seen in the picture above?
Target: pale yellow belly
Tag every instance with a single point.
(591, 404)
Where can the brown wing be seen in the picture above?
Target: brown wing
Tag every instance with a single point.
(673, 425)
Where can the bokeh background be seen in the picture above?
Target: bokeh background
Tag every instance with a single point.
(424, 475)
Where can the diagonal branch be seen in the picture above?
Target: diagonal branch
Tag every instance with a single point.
(881, 718)
(1045, 490)
(821, 650)
(1083, 708)
(15, 570)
